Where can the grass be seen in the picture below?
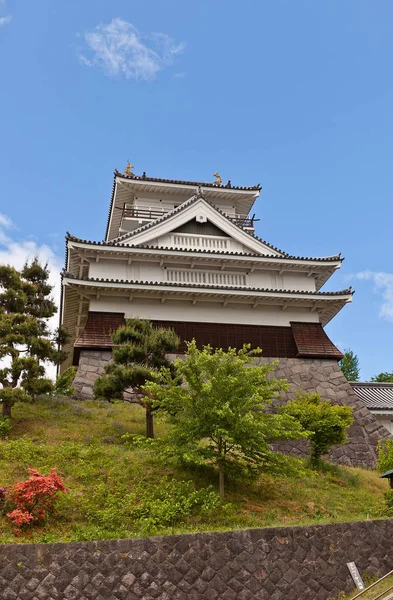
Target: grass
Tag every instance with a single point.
(117, 490)
(371, 594)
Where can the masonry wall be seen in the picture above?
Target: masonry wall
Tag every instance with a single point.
(307, 563)
(310, 375)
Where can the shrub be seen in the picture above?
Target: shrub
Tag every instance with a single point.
(5, 427)
(385, 455)
(34, 499)
(63, 383)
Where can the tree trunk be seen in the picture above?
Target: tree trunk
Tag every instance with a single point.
(6, 410)
(221, 480)
(149, 422)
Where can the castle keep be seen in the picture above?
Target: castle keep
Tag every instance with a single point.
(185, 255)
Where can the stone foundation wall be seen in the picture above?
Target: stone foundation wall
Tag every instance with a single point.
(295, 563)
(91, 365)
(310, 375)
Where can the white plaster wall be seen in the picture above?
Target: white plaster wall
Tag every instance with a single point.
(167, 201)
(298, 281)
(385, 421)
(151, 271)
(205, 312)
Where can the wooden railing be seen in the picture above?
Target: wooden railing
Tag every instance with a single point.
(150, 215)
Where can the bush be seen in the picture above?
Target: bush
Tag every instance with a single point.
(63, 383)
(385, 455)
(33, 499)
(147, 510)
(5, 427)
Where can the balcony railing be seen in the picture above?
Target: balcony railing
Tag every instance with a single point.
(143, 214)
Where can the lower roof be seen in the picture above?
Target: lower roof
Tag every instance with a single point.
(377, 396)
(301, 340)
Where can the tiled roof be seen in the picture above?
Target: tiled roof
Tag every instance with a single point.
(312, 341)
(256, 188)
(333, 258)
(98, 329)
(378, 396)
(275, 341)
(204, 286)
(182, 207)
(143, 177)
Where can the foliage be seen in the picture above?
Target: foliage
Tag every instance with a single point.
(103, 472)
(26, 341)
(326, 423)
(384, 377)
(63, 383)
(385, 455)
(349, 365)
(34, 498)
(139, 351)
(218, 414)
(5, 427)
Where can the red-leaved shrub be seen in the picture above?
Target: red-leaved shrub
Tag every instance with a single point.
(34, 499)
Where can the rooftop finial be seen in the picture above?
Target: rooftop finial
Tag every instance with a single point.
(127, 170)
(218, 180)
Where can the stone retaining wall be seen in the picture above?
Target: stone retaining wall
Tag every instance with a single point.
(307, 563)
(310, 375)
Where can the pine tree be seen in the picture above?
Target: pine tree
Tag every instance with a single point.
(26, 341)
(138, 353)
(349, 365)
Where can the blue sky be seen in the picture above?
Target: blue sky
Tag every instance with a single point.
(295, 95)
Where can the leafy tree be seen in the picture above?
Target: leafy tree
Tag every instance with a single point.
(139, 351)
(385, 455)
(63, 384)
(218, 413)
(26, 341)
(326, 423)
(384, 377)
(349, 365)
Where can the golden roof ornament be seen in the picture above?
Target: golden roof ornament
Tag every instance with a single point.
(127, 170)
(218, 180)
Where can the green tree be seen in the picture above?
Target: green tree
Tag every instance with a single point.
(139, 351)
(26, 341)
(326, 423)
(384, 377)
(218, 412)
(349, 365)
(385, 455)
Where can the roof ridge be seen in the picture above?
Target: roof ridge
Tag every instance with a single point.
(227, 186)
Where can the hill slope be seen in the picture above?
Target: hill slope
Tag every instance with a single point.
(116, 490)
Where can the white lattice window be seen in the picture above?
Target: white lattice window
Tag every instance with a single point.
(210, 242)
(218, 278)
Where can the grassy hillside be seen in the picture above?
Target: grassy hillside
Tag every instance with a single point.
(117, 490)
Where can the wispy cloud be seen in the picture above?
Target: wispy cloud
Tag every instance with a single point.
(121, 50)
(383, 285)
(5, 20)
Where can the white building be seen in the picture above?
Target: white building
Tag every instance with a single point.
(184, 254)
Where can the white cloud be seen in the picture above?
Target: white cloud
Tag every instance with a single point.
(383, 285)
(5, 20)
(121, 50)
(5, 221)
(16, 252)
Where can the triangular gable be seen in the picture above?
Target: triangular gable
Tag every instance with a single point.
(202, 211)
